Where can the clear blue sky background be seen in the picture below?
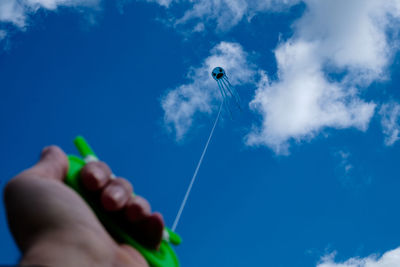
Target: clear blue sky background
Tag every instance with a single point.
(249, 207)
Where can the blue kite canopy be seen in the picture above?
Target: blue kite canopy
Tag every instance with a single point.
(226, 89)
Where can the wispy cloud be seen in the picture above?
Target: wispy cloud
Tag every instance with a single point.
(350, 172)
(17, 12)
(390, 258)
(345, 164)
(223, 14)
(3, 34)
(199, 94)
(228, 13)
(390, 114)
(165, 3)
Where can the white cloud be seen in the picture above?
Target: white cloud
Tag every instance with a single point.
(17, 12)
(389, 259)
(332, 37)
(390, 114)
(182, 103)
(303, 100)
(351, 34)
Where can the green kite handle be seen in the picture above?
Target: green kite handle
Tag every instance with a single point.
(162, 257)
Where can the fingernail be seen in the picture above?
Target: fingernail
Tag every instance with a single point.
(117, 193)
(45, 150)
(99, 176)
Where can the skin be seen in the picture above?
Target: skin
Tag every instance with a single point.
(53, 226)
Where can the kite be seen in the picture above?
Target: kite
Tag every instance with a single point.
(228, 94)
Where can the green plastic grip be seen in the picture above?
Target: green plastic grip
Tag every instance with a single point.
(162, 257)
(83, 147)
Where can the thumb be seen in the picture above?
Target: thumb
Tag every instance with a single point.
(53, 164)
(28, 197)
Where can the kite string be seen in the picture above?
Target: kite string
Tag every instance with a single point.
(178, 216)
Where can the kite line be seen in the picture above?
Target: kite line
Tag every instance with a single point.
(178, 216)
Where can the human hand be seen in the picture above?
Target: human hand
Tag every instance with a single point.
(53, 226)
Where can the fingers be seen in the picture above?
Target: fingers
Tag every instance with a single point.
(149, 230)
(137, 209)
(95, 175)
(117, 195)
(53, 164)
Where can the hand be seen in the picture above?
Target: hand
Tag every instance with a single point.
(53, 226)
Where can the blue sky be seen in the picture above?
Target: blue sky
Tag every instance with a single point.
(306, 175)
